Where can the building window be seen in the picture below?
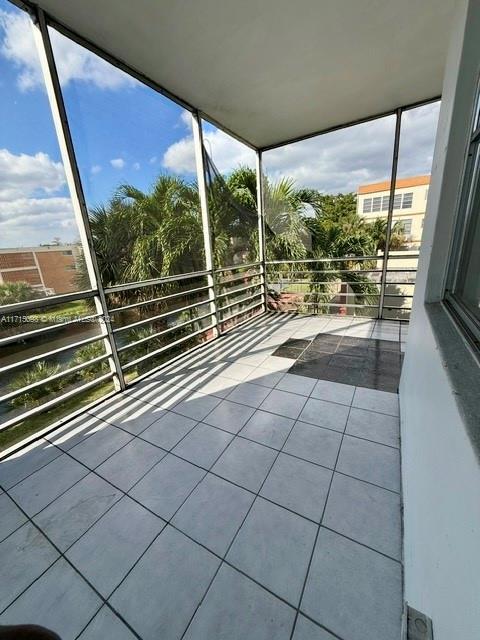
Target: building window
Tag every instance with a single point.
(407, 200)
(463, 283)
(406, 226)
(385, 203)
(67, 253)
(376, 204)
(367, 205)
(397, 201)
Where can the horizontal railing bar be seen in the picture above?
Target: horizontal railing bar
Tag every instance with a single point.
(239, 289)
(160, 316)
(331, 259)
(36, 332)
(239, 313)
(344, 259)
(236, 267)
(50, 301)
(118, 288)
(55, 376)
(162, 333)
(241, 276)
(233, 304)
(165, 348)
(343, 293)
(314, 282)
(52, 403)
(49, 354)
(336, 304)
(62, 421)
(333, 271)
(160, 299)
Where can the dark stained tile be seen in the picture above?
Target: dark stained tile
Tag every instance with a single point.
(317, 357)
(362, 362)
(296, 343)
(287, 352)
(348, 362)
(386, 345)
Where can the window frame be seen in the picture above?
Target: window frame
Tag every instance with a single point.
(407, 200)
(407, 224)
(367, 205)
(469, 195)
(376, 204)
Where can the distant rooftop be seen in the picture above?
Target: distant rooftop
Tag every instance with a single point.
(401, 183)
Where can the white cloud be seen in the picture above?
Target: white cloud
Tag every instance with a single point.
(117, 163)
(30, 212)
(186, 118)
(153, 160)
(95, 169)
(73, 61)
(226, 152)
(336, 162)
(136, 166)
(23, 175)
(30, 221)
(180, 157)
(342, 160)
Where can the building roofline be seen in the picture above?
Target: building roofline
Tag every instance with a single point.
(401, 183)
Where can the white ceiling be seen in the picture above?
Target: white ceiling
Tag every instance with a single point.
(272, 70)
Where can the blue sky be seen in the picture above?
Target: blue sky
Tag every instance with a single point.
(124, 132)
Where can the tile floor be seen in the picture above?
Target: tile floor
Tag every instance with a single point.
(222, 498)
(365, 362)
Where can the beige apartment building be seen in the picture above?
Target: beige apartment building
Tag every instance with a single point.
(409, 205)
(51, 269)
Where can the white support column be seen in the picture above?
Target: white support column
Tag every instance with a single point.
(57, 106)
(388, 233)
(207, 236)
(261, 228)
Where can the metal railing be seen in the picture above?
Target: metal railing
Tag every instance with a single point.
(155, 321)
(353, 285)
(59, 347)
(150, 323)
(240, 294)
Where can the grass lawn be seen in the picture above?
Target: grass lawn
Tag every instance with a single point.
(40, 421)
(64, 312)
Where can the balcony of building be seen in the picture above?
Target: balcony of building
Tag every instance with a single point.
(246, 490)
(237, 290)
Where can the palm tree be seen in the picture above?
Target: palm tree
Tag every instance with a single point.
(40, 370)
(287, 237)
(87, 353)
(140, 236)
(378, 231)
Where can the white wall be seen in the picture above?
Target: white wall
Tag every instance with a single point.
(441, 473)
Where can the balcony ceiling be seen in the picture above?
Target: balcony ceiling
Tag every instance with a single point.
(273, 70)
